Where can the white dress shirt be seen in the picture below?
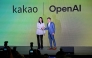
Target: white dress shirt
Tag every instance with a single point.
(48, 24)
(39, 30)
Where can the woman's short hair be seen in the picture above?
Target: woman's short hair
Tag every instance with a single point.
(39, 19)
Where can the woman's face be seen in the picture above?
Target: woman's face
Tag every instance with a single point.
(40, 20)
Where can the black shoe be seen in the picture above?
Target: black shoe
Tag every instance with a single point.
(38, 48)
(41, 48)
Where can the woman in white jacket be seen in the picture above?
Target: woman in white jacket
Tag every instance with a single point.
(40, 32)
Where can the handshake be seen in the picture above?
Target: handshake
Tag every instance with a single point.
(43, 28)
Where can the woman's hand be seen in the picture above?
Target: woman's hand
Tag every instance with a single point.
(42, 28)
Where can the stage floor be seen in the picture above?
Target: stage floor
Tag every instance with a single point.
(77, 50)
(25, 50)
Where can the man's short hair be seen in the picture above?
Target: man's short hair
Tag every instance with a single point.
(49, 18)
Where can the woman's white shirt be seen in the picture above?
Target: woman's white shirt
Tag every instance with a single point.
(39, 30)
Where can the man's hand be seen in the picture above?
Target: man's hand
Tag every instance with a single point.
(52, 33)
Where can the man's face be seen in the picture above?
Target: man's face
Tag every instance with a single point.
(49, 20)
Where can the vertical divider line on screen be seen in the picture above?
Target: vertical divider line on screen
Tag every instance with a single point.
(43, 8)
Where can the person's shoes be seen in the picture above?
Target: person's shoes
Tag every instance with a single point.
(38, 48)
(41, 48)
(54, 48)
(50, 48)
